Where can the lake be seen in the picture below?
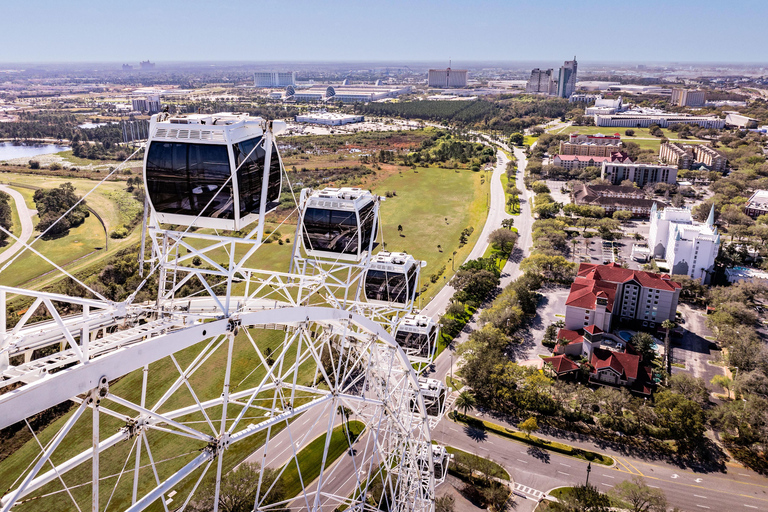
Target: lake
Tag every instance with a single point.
(10, 151)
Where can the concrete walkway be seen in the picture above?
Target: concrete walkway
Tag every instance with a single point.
(25, 214)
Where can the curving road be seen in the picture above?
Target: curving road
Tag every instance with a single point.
(25, 214)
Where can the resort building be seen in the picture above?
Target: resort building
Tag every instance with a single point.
(541, 82)
(674, 153)
(602, 295)
(640, 174)
(572, 162)
(710, 157)
(632, 119)
(682, 245)
(447, 78)
(614, 198)
(688, 98)
(591, 145)
(274, 78)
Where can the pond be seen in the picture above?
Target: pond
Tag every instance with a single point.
(9, 150)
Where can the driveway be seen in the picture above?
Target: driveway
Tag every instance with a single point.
(25, 214)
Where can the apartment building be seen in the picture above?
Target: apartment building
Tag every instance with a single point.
(591, 145)
(685, 246)
(639, 120)
(572, 162)
(614, 198)
(566, 78)
(640, 174)
(674, 153)
(274, 78)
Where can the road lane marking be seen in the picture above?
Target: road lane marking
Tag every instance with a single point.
(608, 476)
(564, 464)
(654, 486)
(566, 474)
(700, 496)
(607, 485)
(749, 506)
(523, 461)
(702, 506)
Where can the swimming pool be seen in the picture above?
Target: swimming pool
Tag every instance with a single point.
(625, 335)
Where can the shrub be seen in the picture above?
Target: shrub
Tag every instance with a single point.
(120, 232)
(34, 164)
(55, 166)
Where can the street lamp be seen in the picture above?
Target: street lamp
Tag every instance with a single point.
(589, 469)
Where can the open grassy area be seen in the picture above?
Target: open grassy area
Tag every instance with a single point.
(170, 452)
(311, 457)
(528, 140)
(84, 244)
(642, 136)
(496, 470)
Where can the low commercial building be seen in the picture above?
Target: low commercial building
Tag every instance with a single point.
(688, 98)
(346, 93)
(602, 295)
(644, 120)
(736, 120)
(591, 145)
(757, 204)
(640, 174)
(605, 106)
(329, 118)
(447, 77)
(614, 198)
(735, 274)
(686, 246)
(674, 153)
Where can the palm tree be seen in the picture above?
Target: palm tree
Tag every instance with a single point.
(465, 402)
(668, 325)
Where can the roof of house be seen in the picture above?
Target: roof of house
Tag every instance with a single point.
(593, 329)
(561, 364)
(614, 273)
(582, 158)
(625, 364)
(584, 292)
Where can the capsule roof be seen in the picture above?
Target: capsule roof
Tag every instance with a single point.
(223, 127)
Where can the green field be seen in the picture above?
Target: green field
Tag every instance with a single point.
(84, 244)
(207, 383)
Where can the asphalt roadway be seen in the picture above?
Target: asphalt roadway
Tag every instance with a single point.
(25, 215)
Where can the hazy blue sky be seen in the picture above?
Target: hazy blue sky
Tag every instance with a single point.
(397, 30)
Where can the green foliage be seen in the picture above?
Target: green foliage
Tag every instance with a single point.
(639, 496)
(529, 426)
(644, 344)
(582, 498)
(53, 203)
(6, 215)
(238, 490)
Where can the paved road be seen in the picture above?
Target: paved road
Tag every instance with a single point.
(25, 214)
(739, 489)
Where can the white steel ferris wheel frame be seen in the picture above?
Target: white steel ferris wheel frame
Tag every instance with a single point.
(105, 340)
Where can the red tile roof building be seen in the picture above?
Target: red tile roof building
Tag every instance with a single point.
(603, 294)
(582, 162)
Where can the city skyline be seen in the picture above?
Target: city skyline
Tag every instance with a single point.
(420, 31)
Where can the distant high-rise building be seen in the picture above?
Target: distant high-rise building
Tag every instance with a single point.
(566, 79)
(127, 67)
(274, 78)
(541, 81)
(150, 104)
(686, 98)
(146, 65)
(447, 77)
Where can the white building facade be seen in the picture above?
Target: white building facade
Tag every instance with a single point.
(640, 174)
(447, 77)
(274, 78)
(689, 247)
(630, 120)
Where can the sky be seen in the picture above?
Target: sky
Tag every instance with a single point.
(393, 30)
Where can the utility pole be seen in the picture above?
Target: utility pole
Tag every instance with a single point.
(589, 469)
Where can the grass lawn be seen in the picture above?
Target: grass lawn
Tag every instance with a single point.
(638, 137)
(110, 200)
(496, 470)
(453, 383)
(311, 457)
(174, 451)
(529, 140)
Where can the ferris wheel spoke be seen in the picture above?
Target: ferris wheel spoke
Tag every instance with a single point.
(153, 418)
(194, 395)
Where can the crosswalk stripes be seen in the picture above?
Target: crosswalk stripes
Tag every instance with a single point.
(451, 399)
(528, 490)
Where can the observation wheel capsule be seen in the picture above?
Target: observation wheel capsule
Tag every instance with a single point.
(338, 223)
(392, 278)
(212, 170)
(417, 335)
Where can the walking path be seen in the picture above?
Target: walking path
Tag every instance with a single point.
(25, 215)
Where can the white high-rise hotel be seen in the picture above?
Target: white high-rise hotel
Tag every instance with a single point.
(689, 247)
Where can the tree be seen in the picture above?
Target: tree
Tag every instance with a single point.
(505, 239)
(465, 402)
(445, 503)
(6, 215)
(582, 498)
(640, 496)
(668, 325)
(529, 426)
(629, 133)
(622, 215)
(238, 490)
(724, 382)
(508, 223)
(644, 344)
(516, 139)
(400, 229)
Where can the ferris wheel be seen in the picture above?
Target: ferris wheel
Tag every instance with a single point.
(307, 378)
